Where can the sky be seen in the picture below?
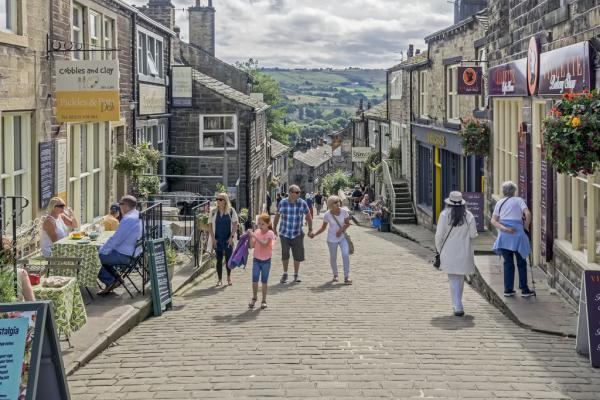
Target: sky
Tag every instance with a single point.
(321, 33)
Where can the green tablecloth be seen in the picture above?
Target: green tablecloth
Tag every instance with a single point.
(88, 252)
(69, 310)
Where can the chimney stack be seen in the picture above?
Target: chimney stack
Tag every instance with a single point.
(161, 11)
(417, 52)
(463, 9)
(202, 26)
(410, 50)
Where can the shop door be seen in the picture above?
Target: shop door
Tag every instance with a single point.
(450, 173)
(474, 174)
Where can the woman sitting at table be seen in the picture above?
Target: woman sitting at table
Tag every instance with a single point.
(111, 221)
(56, 224)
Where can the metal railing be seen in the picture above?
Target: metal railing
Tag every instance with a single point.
(389, 186)
(152, 217)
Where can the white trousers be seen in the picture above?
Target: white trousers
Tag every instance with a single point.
(457, 283)
(343, 244)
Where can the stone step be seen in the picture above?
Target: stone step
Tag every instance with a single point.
(403, 220)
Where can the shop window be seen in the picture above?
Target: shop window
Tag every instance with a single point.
(452, 104)
(425, 177)
(396, 85)
(423, 106)
(507, 119)
(150, 54)
(99, 33)
(218, 132)
(15, 166)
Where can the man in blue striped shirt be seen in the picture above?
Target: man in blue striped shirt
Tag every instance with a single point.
(291, 212)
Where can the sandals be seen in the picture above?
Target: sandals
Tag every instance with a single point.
(335, 279)
(263, 305)
(219, 283)
(252, 302)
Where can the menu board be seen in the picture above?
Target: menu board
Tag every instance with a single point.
(162, 297)
(588, 324)
(475, 205)
(46, 172)
(546, 209)
(524, 162)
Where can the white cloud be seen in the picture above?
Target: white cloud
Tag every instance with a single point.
(321, 33)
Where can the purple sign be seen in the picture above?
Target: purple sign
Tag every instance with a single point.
(546, 209)
(565, 70)
(508, 79)
(592, 294)
(524, 162)
(469, 80)
(475, 205)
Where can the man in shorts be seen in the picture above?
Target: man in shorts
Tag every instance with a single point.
(292, 211)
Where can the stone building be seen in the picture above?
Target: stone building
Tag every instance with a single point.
(360, 139)
(549, 37)
(310, 167)
(279, 168)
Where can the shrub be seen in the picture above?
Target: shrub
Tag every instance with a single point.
(333, 182)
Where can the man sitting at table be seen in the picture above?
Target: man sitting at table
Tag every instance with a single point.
(111, 221)
(118, 249)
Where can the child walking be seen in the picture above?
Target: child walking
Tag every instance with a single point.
(261, 240)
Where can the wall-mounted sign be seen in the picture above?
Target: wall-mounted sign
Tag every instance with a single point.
(182, 86)
(533, 65)
(508, 79)
(46, 172)
(152, 99)
(565, 70)
(547, 209)
(87, 91)
(360, 154)
(524, 164)
(436, 140)
(469, 80)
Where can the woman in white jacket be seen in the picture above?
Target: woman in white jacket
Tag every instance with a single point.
(456, 229)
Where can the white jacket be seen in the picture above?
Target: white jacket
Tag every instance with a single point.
(457, 255)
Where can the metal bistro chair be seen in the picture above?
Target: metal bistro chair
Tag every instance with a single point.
(136, 264)
(71, 265)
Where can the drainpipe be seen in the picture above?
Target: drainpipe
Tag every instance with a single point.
(134, 92)
(248, 178)
(410, 141)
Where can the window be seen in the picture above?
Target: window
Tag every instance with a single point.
(9, 16)
(480, 103)
(77, 30)
(87, 170)
(396, 132)
(150, 54)
(425, 174)
(15, 165)
(99, 33)
(507, 119)
(218, 132)
(452, 109)
(396, 84)
(423, 106)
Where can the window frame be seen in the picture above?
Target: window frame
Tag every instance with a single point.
(452, 98)
(423, 103)
(16, 33)
(507, 110)
(150, 58)
(223, 131)
(102, 39)
(396, 85)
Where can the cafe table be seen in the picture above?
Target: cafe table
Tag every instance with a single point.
(85, 249)
(67, 302)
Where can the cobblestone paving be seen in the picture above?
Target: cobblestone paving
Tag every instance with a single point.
(391, 335)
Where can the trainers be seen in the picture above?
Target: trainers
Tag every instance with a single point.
(459, 313)
(297, 279)
(527, 293)
(284, 278)
(510, 294)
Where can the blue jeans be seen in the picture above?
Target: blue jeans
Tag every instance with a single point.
(107, 273)
(260, 270)
(509, 271)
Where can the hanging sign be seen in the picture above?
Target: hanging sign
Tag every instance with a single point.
(508, 79)
(87, 91)
(469, 80)
(588, 323)
(361, 154)
(565, 70)
(162, 297)
(152, 99)
(182, 86)
(46, 172)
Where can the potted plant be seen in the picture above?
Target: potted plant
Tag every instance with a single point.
(571, 139)
(134, 163)
(475, 137)
(202, 221)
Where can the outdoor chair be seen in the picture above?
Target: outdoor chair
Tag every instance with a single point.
(136, 264)
(67, 266)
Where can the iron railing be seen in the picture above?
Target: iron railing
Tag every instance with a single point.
(152, 217)
(388, 183)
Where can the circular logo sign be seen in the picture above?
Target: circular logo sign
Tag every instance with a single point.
(533, 65)
(469, 76)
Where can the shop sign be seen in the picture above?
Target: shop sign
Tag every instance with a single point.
(469, 80)
(152, 99)
(508, 79)
(87, 91)
(360, 154)
(588, 323)
(546, 209)
(475, 205)
(533, 65)
(565, 70)
(182, 86)
(524, 163)
(436, 140)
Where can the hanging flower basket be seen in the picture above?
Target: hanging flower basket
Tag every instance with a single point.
(475, 137)
(571, 137)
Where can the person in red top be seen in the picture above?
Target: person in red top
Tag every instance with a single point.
(261, 240)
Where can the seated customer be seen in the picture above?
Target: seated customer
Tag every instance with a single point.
(56, 224)
(111, 221)
(120, 247)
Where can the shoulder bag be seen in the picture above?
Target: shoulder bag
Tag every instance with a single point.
(348, 239)
(436, 260)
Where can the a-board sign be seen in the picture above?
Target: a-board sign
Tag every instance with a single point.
(46, 172)
(475, 205)
(588, 324)
(161, 286)
(31, 366)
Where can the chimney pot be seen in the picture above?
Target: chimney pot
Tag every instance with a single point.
(418, 51)
(410, 50)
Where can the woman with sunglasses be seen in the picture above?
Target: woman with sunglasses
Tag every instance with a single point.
(224, 223)
(56, 224)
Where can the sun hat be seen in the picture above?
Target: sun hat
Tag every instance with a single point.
(455, 199)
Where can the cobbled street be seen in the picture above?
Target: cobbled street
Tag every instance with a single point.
(390, 335)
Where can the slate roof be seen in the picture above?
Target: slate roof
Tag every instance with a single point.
(277, 148)
(227, 91)
(378, 112)
(414, 60)
(314, 156)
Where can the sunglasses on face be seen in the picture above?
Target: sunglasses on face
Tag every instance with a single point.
(60, 206)
(220, 199)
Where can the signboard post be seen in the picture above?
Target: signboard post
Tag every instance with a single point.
(361, 154)
(31, 366)
(469, 80)
(475, 205)
(46, 172)
(162, 298)
(182, 86)
(588, 323)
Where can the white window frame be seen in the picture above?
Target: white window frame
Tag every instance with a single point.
(423, 100)
(224, 131)
(8, 174)
(13, 25)
(452, 98)
(101, 38)
(508, 116)
(77, 36)
(396, 134)
(396, 85)
(150, 54)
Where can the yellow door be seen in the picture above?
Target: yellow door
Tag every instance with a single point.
(438, 183)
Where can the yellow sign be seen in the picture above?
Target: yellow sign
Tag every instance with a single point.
(87, 106)
(436, 140)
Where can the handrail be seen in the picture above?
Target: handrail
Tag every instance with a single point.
(387, 180)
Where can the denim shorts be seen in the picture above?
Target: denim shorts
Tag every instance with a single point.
(260, 270)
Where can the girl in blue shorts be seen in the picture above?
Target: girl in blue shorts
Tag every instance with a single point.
(261, 240)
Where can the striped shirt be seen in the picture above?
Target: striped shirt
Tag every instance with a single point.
(292, 216)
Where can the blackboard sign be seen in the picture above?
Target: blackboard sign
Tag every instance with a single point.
(588, 324)
(475, 205)
(46, 172)
(31, 365)
(161, 286)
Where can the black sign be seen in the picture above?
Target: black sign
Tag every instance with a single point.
(475, 205)
(565, 70)
(30, 356)
(469, 80)
(592, 294)
(508, 79)
(524, 163)
(46, 172)
(547, 209)
(162, 297)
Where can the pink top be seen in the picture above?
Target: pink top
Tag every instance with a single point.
(261, 251)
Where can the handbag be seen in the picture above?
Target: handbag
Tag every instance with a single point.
(348, 239)
(436, 260)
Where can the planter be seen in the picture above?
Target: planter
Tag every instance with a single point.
(475, 137)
